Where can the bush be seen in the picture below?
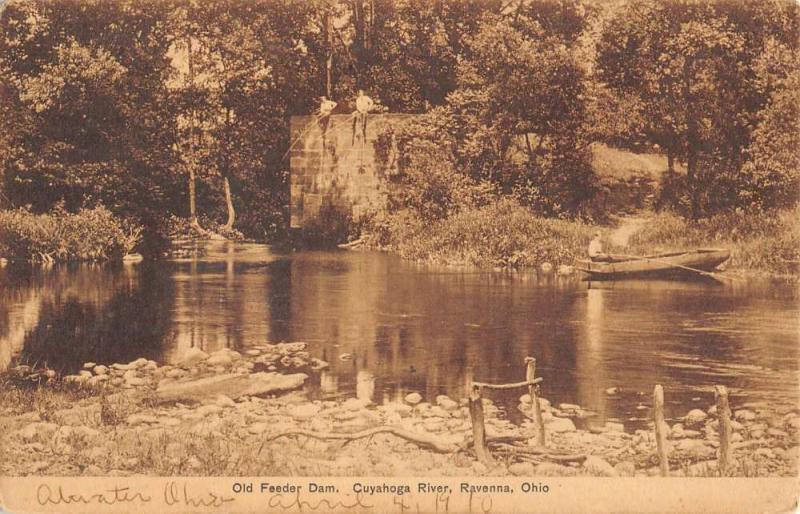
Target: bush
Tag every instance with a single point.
(764, 241)
(503, 234)
(88, 235)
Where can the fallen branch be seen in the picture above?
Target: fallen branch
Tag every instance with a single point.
(534, 451)
(421, 440)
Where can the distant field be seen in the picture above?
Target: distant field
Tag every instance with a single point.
(612, 163)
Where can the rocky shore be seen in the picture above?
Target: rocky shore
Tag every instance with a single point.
(232, 413)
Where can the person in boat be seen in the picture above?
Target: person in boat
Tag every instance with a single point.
(364, 105)
(596, 249)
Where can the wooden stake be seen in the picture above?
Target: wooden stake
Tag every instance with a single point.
(478, 428)
(661, 434)
(724, 416)
(530, 374)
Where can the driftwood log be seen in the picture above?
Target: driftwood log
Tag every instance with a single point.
(422, 440)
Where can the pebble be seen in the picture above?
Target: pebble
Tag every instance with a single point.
(413, 398)
(521, 469)
(446, 403)
(192, 357)
(598, 466)
(695, 416)
(219, 359)
(305, 411)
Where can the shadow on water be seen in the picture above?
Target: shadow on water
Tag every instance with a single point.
(388, 327)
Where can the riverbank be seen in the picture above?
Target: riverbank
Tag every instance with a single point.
(505, 235)
(240, 414)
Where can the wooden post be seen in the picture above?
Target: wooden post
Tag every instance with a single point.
(478, 428)
(724, 417)
(661, 434)
(530, 374)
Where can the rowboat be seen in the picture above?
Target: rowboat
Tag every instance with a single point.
(702, 260)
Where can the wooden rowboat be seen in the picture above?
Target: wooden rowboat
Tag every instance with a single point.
(693, 261)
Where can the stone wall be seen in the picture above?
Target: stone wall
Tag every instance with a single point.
(341, 166)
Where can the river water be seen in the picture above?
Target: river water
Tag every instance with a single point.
(388, 327)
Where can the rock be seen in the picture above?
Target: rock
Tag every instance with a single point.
(712, 411)
(568, 406)
(86, 374)
(612, 390)
(598, 466)
(736, 437)
(224, 401)
(231, 385)
(138, 363)
(192, 357)
(521, 469)
(128, 375)
(42, 431)
(401, 408)
(36, 467)
(546, 267)
(695, 416)
(305, 411)
(175, 373)
(744, 415)
(318, 364)
(775, 432)
(345, 357)
(756, 434)
(219, 359)
(525, 398)
(446, 403)
(89, 365)
(100, 370)
(625, 469)
(438, 412)
(254, 352)
(433, 424)
(413, 398)
(135, 382)
(793, 423)
(561, 425)
(98, 380)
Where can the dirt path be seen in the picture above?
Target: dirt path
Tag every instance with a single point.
(626, 227)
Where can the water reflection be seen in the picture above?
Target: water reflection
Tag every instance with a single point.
(388, 327)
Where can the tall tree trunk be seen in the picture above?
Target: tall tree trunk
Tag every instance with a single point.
(692, 139)
(226, 173)
(329, 57)
(192, 142)
(229, 204)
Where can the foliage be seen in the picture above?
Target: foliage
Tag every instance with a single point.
(765, 241)
(690, 73)
(88, 235)
(500, 234)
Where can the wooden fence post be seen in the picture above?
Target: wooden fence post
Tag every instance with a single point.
(478, 428)
(661, 435)
(530, 374)
(724, 417)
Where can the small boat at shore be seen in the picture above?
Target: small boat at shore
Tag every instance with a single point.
(702, 261)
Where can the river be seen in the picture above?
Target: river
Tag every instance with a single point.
(388, 327)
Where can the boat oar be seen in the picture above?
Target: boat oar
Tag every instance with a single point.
(708, 273)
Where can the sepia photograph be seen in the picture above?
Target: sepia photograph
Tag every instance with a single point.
(435, 255)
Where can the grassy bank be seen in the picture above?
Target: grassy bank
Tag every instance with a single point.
(88, 235)
(501, 234)
(759, 242)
